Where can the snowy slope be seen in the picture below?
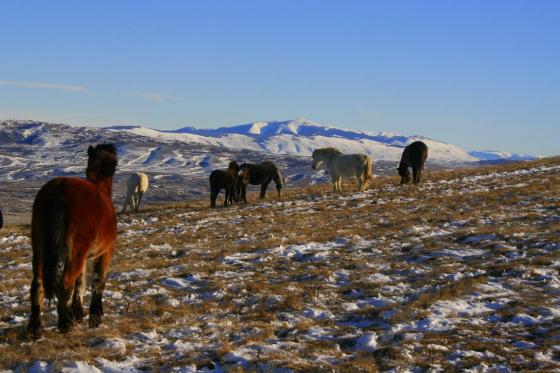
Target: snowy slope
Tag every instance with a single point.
(37, 150)
(299, 137)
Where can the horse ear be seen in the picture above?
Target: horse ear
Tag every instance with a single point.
(90, 151)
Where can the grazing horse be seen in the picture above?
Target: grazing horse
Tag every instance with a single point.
(220, 179)
(414, 155)
(136, 186)
(344, 166)
(73, 220)
(259, 174)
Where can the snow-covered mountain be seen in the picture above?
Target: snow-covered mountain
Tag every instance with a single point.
(300, 137)
(35, 150)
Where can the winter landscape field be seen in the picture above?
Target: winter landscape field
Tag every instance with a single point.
(440, 251)
(459, 273)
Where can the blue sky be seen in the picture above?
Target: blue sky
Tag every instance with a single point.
(479, 74)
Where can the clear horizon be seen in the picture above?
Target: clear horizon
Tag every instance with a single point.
(480, 75)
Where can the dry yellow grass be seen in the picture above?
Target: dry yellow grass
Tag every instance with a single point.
(388, 257)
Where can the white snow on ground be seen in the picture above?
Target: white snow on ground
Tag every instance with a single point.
(360, 283)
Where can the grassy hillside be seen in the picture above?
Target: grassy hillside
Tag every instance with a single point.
(460, 272)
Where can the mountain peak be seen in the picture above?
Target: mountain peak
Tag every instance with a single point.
(291, 127)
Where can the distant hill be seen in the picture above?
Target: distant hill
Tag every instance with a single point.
(37, 150)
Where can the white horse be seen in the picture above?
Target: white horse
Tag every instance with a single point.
(136, 186)
(344, 166)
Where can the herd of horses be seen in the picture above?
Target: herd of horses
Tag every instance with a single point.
(235, 179)
(74, 219)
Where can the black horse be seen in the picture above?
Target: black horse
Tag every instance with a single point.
(259, 174)
(220, 179)
(414, 155)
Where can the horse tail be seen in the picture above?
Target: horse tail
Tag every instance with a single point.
(368, 174)
(143, 183)
(126, 200)
(51, 230)
(278, 178)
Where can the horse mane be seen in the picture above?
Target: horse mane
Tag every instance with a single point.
(102, 161)
(329, 151)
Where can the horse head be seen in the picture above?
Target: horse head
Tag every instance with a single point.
(234, 166)
(323, 155)
(243, 174)
(404, 173)
(317, 159)
(102, 161)
(402, 169)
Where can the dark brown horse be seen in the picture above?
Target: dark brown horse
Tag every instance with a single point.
(414, 155)
(220, 179)
(259, 174)
(73, 220)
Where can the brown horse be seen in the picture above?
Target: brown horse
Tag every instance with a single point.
(414, 155)
(73, 220)
(220, 179)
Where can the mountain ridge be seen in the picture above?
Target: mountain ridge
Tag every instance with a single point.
(33, 150)
(296, 137)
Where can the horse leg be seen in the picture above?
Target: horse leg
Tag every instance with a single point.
(37, 295)
(359, 183)
(420, 169)
(235, 192)
(131, 201)
(126, 201)
(279, 189)
(100, 267)
(64, 295)
(227, 197)
(363, 184)
(244, 193)
(232, 197)
(140, 195)
(213, 196)
(338, 184)
(77, 300)
(415, 175)
(134, 206)
(263, 188)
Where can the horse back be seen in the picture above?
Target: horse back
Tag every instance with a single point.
(347, 165)
(257, 173)
(138, 181)
(221, 178)
(260, 173)
(75, 210)
(415, 153)
(142, 181)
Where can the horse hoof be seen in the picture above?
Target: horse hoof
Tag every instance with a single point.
(94, 321)
(65, 327)
(34, 331)
(78, 313)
